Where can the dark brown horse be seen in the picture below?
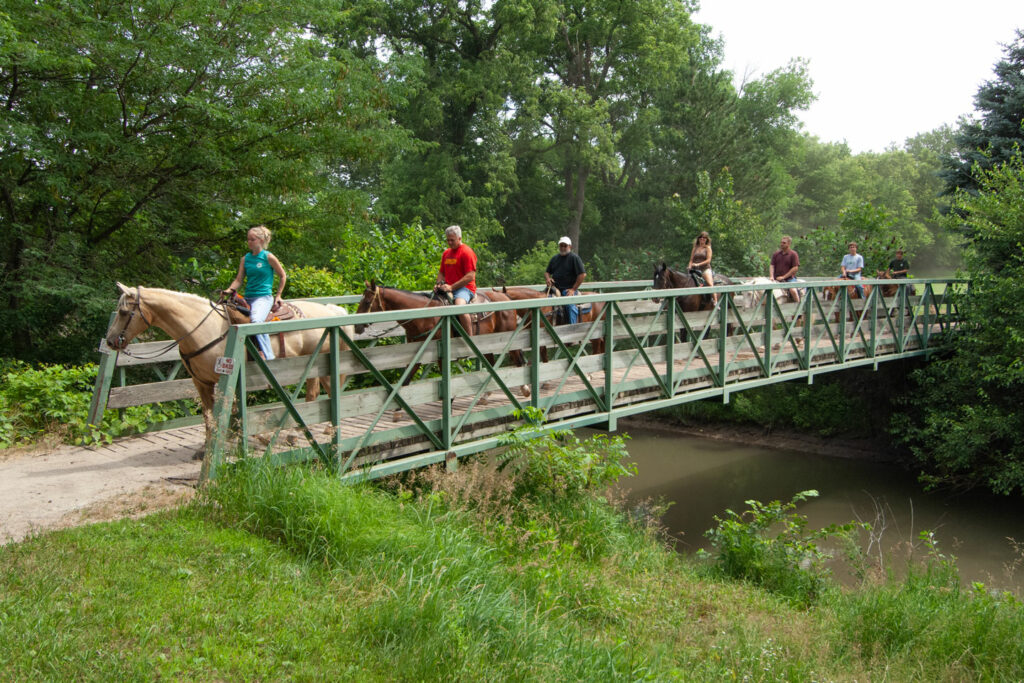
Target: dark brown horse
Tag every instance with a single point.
(379, 298)
(666, 278)
(552, 313)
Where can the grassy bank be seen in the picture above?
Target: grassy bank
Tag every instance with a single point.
(283, 574)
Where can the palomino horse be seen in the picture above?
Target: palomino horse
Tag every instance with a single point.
(200, 329)
(666, 278)
(380, 298)
(586, 315)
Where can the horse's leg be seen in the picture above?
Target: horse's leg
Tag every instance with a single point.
(206, 400)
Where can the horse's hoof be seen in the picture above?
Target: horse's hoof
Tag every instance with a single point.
(396, 415)
(485, 399)
(199, 455)
(525, 391)
(547, 385)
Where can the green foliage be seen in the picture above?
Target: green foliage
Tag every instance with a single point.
(529, 268)
(838, 409)
(562, 465)
(406, 256)
(139, 135)
(307, 282)
(40, 400)
(963, 421)
(872, 228)
(738, 237)
(790, 562)
(837, 192)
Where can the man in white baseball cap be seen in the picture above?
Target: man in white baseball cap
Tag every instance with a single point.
(565, 272)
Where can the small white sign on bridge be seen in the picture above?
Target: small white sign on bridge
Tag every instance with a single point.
(224, 365)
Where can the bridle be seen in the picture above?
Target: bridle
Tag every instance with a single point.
(131, 316)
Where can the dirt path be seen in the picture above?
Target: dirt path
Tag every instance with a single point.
(75, 485)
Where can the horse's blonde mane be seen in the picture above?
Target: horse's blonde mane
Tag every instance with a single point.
(159, 290)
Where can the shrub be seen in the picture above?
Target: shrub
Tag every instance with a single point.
(562, 465)
(790, 563)
(54, 399)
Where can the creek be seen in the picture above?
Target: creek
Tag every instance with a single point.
(703, 477)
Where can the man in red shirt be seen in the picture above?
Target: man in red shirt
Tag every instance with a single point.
(457, 275)
(785, 262)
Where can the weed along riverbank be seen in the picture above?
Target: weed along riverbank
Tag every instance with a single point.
(521, 568)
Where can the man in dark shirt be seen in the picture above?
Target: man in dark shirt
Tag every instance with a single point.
(784, 265)
(566, 273)
(898, 267)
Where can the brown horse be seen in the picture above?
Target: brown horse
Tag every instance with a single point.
(379, 298)
(200, 329)
(666, 278)
(887, 290)
(552, 313)
(831, 292)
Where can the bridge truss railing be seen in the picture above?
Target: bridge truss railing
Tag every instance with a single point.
(386, 419)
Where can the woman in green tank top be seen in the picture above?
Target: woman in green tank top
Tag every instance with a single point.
(257, 269)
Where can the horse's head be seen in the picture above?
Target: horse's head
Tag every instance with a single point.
(883, 275)
(130, 319)
(370, 303)
(662, 278)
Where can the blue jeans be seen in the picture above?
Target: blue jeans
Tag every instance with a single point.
(464, 293)
(572, 310)
(261, 306)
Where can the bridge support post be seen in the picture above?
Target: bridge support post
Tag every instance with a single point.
(445, 361)
(451, 462)
(101, 391)
(609, 377)
(222, 400)
(535, 325)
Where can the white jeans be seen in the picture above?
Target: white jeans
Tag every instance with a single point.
(261, 306)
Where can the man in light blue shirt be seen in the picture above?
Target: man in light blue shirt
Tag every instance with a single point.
(852, 267)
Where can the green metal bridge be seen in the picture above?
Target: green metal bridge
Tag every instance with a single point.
(382, 420)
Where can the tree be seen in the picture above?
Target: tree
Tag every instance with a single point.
(964, 422)
(139, 132)
(982, 144)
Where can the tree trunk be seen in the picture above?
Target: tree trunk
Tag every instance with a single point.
(575, 191)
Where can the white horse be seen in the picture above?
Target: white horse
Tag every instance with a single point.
(200, 328)
(753, 297)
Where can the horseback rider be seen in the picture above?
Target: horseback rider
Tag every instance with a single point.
(784, 264)
(457, 275)
(852, 267)
(566, 273)
(700, 261)
(257, 269)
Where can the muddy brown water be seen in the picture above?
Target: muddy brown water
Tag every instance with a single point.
(704, 477)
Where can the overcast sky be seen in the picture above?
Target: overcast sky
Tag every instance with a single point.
(882, 71)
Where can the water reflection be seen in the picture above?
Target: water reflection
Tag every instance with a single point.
(704, 477)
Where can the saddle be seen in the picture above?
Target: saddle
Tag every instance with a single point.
(282, 311)
(561, 313)
(478, 298)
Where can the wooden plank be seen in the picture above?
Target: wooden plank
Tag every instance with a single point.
(153, 392)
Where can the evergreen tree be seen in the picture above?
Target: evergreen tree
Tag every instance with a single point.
(994, 138)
